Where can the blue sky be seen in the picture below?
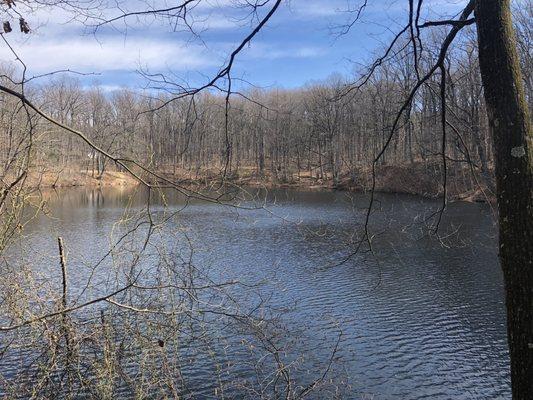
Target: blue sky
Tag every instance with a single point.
(298, 46)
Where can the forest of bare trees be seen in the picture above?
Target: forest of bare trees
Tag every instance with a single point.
(326, 131)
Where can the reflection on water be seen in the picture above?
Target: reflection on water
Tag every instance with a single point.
(420, 319)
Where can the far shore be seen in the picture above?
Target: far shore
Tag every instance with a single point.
(411, 179)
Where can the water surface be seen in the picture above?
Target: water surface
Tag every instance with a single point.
(418, 318)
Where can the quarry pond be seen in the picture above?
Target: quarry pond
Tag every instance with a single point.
(418, 317)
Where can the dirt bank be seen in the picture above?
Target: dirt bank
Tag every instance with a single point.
(73, 178)
(417, 179)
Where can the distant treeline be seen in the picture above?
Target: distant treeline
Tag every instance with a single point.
(326, 131)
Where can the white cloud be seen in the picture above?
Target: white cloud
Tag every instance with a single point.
(313, 9)
(57, 42)
(259, 50)
(106, 88)
(111, 54)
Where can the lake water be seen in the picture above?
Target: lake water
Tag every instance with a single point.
(418, 318)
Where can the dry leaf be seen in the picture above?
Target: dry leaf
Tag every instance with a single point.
(7, 27)
(24, 27)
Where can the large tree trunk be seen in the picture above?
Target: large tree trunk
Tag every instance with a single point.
(510, 126)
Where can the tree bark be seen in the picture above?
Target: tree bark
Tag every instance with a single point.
(510, 126)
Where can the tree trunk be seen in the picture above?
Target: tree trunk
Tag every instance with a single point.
(510, 127)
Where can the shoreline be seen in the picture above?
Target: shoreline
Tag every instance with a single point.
(389, 179)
